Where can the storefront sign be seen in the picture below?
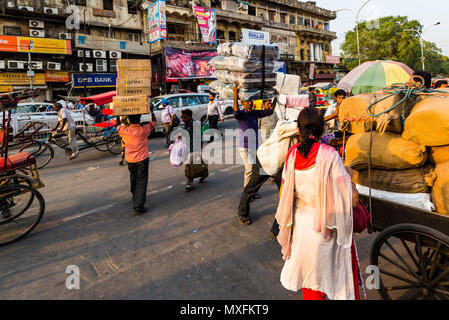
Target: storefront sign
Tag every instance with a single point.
(57, 76)
(333, 59)
(40, 45)
(6, 88)
(207, 21)
(188, 64)
(255, 36)
(95, 80)
(17, 79)
(157, 21)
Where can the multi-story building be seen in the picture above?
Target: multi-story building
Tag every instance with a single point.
(75, 52)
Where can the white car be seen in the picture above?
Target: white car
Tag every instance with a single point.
(197, 102)
(39, 112)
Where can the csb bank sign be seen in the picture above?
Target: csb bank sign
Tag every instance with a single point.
(95, 80)
(255, 36)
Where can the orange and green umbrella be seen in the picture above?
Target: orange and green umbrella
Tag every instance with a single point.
(372, 76)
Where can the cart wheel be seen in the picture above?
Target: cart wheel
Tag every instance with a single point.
(114, 144)
(100, 142)
(21, 209)
(43, 152)
(413, 262)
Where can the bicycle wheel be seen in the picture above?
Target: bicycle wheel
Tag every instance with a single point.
(43, 129)
(43, 152)
(100, 142)
(21, 209)
(114, 144)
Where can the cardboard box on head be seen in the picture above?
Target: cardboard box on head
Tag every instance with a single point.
(133, 68)
(127, 105)
(133, 86)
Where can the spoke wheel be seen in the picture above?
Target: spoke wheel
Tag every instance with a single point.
(100, 141)
(42, 127)
(413, 262)
(114, 144)
(42, 151)
(21, 209)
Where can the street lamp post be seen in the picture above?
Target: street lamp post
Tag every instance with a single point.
(30, 69)
(421, 41)
(356, 27)
(84, 58)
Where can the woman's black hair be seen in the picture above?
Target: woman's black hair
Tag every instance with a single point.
(311, 128)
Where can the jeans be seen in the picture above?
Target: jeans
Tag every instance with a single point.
(138, 172)
(252, 188)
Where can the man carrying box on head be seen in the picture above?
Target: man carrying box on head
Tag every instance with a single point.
(135, 137)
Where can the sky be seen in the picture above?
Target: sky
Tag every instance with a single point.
(432, 12)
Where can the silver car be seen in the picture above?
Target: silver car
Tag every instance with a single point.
(197, 102)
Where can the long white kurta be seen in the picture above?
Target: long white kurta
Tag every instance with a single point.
(315, 263)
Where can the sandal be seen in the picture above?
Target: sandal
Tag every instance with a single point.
(244, 221)
(189, 189)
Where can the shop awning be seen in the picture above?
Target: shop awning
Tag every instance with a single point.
(99, 99)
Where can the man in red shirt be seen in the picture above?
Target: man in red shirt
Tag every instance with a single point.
(135, 137)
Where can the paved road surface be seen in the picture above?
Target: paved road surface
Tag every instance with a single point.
(188, 246)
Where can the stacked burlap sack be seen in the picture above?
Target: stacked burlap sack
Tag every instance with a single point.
(243, 64)
(409, 146)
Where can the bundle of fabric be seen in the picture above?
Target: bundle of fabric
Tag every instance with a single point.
(249, 66)
(354, 118)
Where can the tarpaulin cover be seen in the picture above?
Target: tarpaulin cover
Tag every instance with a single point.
(99, 99)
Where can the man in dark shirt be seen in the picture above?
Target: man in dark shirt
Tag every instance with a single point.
(312, 97)
(195, 167)
(248, 136)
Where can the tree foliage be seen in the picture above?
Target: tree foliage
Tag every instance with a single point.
(391, 42)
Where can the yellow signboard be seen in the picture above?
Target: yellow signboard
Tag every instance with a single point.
(18, 79)
(6, 88)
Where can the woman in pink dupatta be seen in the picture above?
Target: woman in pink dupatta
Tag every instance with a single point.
(316, 201)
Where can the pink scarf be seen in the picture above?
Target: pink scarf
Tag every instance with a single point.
(334, 200)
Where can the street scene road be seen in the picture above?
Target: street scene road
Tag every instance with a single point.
(188, 246)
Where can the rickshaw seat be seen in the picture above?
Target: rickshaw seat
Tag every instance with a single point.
(16, 161)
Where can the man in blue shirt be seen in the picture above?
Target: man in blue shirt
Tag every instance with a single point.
(248, 136)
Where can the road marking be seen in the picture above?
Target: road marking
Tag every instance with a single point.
(86, 213)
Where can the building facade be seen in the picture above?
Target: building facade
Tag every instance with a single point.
(75, 43)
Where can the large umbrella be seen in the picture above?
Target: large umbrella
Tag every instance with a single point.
(372, 76)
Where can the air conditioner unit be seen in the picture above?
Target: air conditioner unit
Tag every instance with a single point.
(53, 66)
(82, 53)
(89, 67)
(11, 4)
(25, 8)
(101, 65)
(35, 65)
(2, 64)
(99, 54)
(37, 33)
(115, 55)
(15, 64)
(49, 10)
(65, 36)
(37, 24)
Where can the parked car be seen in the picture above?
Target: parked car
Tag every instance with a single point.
(197, 102)
(37, 111)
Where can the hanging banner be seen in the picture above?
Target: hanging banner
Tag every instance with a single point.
(188, 64)
(157, 21)
(207, 21)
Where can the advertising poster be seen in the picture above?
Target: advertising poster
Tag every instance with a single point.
(157, 21)
(207, 21)
(188, 64)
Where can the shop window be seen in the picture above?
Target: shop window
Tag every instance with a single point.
(271, 15)
(300, 21)
(11, 30)
(251, 10)
(232, 35)
(132, 7)
(108, 4)
(292, 19)
(307, 22)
